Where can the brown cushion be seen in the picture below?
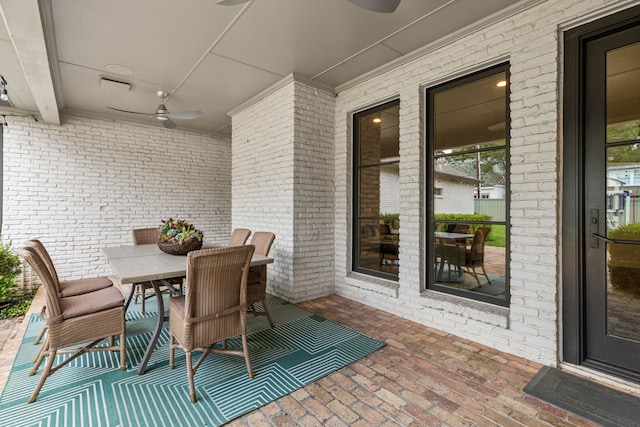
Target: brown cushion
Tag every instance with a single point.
(91, 302)
(83, 286)
(177, 303)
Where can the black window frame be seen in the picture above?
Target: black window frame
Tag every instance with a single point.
(429, 226)
(355, 253)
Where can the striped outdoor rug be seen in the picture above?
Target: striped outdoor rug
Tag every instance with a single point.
(92, 390)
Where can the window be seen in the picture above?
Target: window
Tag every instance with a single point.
(468, 186)
(376, 192)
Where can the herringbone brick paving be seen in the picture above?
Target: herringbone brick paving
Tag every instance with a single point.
(423, 377)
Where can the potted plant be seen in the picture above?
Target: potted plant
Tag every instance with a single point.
(177, 237)
(9, 271)
(624, 260)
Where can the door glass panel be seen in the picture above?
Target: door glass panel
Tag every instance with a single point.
(623, 190)
(623, 94)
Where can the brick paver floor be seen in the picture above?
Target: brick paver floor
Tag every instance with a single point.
(423, 377)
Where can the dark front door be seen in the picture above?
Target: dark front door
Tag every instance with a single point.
(611, 208)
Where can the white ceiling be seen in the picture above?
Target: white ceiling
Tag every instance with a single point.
(208, 57)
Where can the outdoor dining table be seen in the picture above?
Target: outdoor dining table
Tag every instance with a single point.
(450, 253)
(452, 236)
(147, 263)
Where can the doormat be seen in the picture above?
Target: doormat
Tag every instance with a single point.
(586, 398)
(92, 391)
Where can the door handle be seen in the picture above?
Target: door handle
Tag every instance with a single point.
(595, 223)
(616, 241)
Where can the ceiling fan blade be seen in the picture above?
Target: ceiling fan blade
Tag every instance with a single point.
(186, 115)
(230, 2)
(130, 112)
(168, 124)
(382, 6)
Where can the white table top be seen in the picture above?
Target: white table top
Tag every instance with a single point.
(445, 235)
(141, 263)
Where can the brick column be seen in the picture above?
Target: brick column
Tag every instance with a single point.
(283, 181)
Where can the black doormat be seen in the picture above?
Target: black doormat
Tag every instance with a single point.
(591, 400)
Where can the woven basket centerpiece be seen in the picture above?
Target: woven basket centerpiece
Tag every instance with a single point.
(179, 237)
(174, 247)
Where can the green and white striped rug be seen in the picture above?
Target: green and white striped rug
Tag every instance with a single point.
(93, 391)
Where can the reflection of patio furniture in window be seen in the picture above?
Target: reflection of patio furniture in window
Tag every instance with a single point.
(452, 255)
(388, 244)
(388, 252)
(450, 250)
(474, 256)
(368, 239)
(457, 228)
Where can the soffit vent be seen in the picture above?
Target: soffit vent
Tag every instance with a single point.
(108, 83)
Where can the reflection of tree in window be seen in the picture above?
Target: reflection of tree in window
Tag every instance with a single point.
(376, 191)
(468, 154)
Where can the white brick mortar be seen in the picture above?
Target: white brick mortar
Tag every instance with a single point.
(87, 183)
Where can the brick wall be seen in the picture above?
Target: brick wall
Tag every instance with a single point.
(85, 184)
(262, 179)
(283, 182)
(530, 42)
(313, 211)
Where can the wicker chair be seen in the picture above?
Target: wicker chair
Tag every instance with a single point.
(71, 287)
(214, 308)
(257, 280)
(389, 245)
(474, 256)
(64, 289)
(76, 320)
(239, 236)
(146, 236)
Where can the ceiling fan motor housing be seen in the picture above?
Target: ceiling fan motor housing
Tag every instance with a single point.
(161, 112)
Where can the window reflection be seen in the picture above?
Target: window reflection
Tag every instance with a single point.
(469, 143)
(622, 199)
(377, 194)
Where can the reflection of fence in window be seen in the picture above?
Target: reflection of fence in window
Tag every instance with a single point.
(623, 208)
(496, 208)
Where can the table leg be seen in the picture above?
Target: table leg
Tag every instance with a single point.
(440, 267)
(126, 304)
(154, 339)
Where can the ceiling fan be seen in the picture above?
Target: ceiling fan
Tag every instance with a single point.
(382, 6)
(163, 114)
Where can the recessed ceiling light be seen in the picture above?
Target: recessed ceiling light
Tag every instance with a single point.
(119, 69)
(377, 120)
(501, 83)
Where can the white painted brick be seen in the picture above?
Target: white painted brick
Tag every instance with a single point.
(531, 42)
(86, 184)
(287, 138)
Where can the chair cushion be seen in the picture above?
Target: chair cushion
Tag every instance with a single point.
(82, 286)
(91, 302)
(177, 303)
